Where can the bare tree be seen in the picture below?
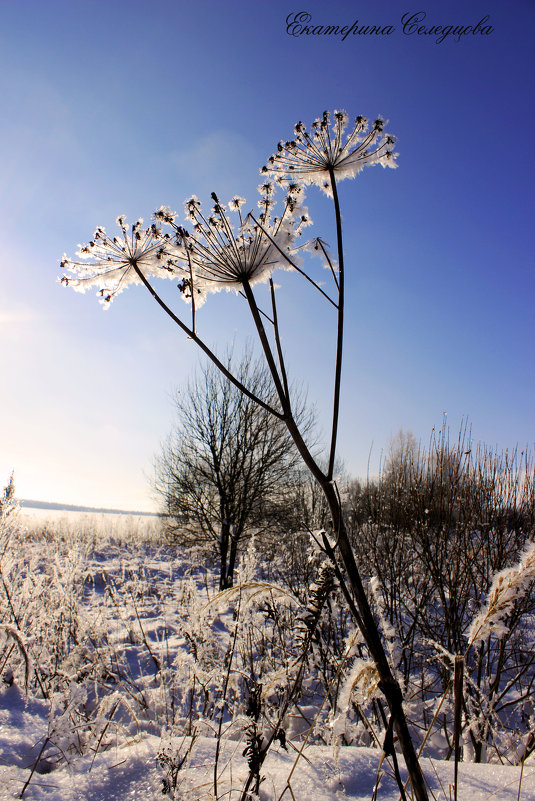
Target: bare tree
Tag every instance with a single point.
(229, 469)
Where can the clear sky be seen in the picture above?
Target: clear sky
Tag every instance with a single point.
(113, 107)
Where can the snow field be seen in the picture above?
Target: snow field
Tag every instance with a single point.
(116, 654)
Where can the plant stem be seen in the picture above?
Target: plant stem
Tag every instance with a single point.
(277, 340)
(284, 400)
(224, 698)
(292, 263)
(211, 355)
(340, 328)
(458, 695)
(387, 682)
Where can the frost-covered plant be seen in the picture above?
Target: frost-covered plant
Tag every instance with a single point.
(9, 511)
(11, 633)
(109, 263)
(222, 255)
(443, 531)
(359, 688)
(213, 255)
(172, 757)
(42, 593)
(499, 619)
(508, 587)
(313, 157)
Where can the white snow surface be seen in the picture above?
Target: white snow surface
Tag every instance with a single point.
(130, 770)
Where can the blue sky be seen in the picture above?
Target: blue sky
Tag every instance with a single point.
(119, 107)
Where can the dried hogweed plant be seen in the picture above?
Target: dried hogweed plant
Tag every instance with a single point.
(228, 249)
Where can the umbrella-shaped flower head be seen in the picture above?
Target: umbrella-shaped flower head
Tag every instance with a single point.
(225, 249)
(326, 151)
(109, 263)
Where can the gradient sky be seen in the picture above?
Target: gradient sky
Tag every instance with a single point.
(115, 107)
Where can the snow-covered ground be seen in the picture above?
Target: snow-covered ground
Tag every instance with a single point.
(91, 525)
(130, 771)
(104, 621)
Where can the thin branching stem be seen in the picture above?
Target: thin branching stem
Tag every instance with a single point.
(328, 260)
(301, 659)
(263, 313)
(277, 340)
(211, 355)
(266, 347)
(292, 263)
(291, 425)
(34, 766)
(192, 288)
(232, 651)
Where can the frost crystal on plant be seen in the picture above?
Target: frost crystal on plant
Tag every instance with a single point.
(507, 588)
(214, 255)
(109, 262)
(311, 158)
(217, 255)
